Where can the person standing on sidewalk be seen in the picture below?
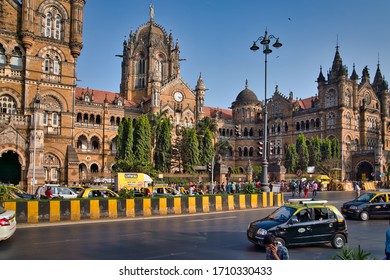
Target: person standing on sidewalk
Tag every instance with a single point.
(315, 188)
(387, 243)
(357, 189)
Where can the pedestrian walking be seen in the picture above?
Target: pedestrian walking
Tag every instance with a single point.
(315, 188)
(300, 188)
(274, 249)
(357, 189)
(293, 188)
(387, 244)
(306, 189)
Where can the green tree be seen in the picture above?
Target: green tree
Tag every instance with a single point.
(204, 124)
(207, 151)
(291, 158)
(124, 154)
(336, 149)
(222, 147)
(326, 149)
(163, 149)
(189, 149)
(142, 146)
(303, 152)
(315, 151)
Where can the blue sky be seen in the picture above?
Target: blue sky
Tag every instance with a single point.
(215, 37)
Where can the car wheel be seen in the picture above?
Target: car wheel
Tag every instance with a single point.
(338, 241)
(281, 241)
(364, 216)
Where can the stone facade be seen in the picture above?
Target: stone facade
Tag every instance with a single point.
(51, 130)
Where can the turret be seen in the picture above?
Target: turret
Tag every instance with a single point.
(200, 92)
(76, 34)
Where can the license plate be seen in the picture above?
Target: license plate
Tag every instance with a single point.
(250, 234)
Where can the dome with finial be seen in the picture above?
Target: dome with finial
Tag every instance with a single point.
(246, 97)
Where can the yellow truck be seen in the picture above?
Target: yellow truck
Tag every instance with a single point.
(131, 180)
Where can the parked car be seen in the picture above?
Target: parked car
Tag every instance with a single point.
(372, 204)
(138, 191)
(58, 192)
(97, 193)
(17, 193)
(7, 223)
(165, 191)
(302, 221)
(76, 189)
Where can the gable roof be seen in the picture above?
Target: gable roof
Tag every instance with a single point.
(100, 95)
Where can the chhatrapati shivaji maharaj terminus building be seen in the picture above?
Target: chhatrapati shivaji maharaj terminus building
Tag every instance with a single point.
(51, 130)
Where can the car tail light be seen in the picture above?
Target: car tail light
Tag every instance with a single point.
(4, 222)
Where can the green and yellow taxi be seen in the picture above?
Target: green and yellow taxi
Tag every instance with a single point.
(371, 204)
(302, 222)
(97, 193)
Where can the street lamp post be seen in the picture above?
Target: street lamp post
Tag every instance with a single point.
(36, 102)
(265, 41)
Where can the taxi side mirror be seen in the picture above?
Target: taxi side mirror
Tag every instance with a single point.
(294, 220)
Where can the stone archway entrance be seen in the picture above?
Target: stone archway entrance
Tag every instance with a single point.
(10, 168)
(364, 171)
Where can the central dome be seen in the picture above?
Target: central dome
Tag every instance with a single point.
(246, 97)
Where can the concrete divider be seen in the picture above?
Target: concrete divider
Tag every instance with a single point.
(35, 211)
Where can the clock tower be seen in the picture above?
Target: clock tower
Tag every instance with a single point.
(151, 75)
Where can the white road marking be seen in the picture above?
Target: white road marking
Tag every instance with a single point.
(213, 219)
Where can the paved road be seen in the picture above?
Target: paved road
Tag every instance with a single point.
(214, 236)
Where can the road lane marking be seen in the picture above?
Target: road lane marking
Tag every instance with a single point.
(213, 219)
(57, 242)
(164, 256)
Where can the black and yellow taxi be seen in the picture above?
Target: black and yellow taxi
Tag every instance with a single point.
(302, 222)
(371, 204)
(97, 193)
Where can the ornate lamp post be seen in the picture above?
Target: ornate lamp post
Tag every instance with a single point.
(265, 41)
(37, 101)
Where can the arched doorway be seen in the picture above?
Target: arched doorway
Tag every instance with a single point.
(10, 168)
(364, 171)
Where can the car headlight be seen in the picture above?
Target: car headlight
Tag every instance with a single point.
(353, 207)
(261, 231)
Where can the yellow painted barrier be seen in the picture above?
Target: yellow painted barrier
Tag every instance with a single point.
(241, 199)
(147, 209)
(32, 212)
(163, 206)
(191, 205)
(177, 205)
(130, 209)
(254, 200)
(94, 209)
(113, 208)
(206, 204)
(55, 214)
(75, 214)
(10, 205)
(218, 203)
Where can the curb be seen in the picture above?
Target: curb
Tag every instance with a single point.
(94, 209)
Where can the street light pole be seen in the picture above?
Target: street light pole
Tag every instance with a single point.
(36, 102)
(265, 41)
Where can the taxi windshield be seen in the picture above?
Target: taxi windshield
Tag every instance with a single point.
(365, 197)
(282, 214)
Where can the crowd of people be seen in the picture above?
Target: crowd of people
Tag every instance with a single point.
(301, 188)
(193, 188)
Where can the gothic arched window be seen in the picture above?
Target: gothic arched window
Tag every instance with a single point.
(52, 23)
(330, 98)
(7, 104)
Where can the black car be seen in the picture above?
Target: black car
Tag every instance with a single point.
(374, 204)
(302, 222)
